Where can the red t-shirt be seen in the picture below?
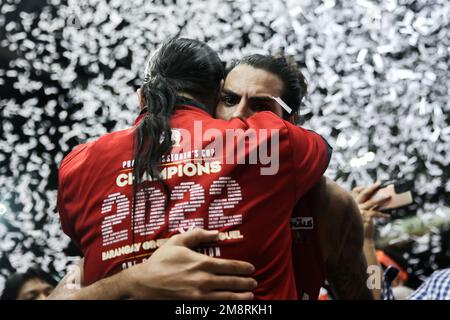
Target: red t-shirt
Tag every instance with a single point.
(251, 210)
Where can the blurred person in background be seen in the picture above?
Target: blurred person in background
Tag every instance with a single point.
(436, 287)
(34, 284)
(369, 205)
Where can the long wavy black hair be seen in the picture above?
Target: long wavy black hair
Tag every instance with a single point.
(178, 66)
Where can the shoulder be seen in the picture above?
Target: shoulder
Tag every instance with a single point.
(72, 157)
(97, 147)
(337, 214)
(332, 199)
(266, 120)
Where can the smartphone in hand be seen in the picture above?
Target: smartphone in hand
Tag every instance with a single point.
(399, 196)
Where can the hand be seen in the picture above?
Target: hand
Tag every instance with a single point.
(176, 272)
(368, 207)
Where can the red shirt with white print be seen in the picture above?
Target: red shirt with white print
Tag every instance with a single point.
(252, 210)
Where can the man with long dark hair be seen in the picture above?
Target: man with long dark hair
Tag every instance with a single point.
(123, 195)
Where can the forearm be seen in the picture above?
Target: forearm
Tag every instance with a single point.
(111, 288)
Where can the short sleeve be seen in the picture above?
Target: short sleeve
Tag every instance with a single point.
(311, 155)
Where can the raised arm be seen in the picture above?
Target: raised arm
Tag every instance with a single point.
(368, 209)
